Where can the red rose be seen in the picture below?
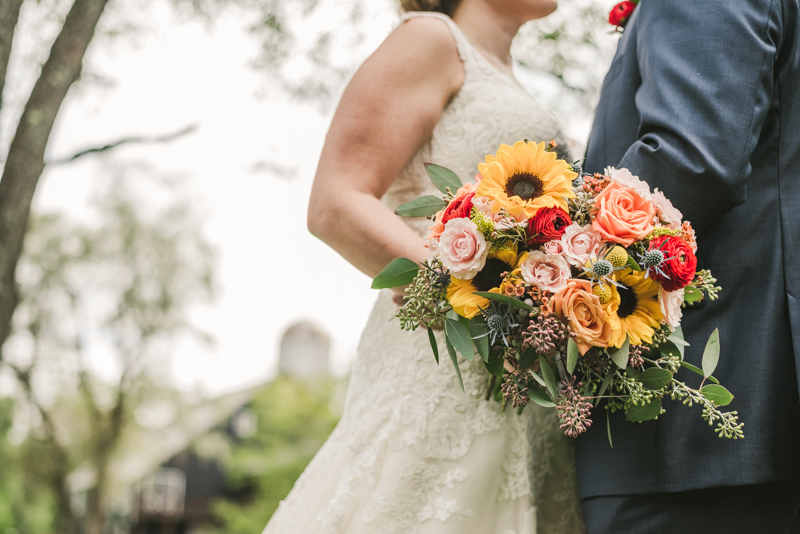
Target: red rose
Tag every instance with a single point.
(458, 208)
(546, 225)
(621, 13)
(680, 264)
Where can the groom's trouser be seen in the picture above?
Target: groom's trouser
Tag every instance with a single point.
(770, 508)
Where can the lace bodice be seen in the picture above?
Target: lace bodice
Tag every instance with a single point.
(413, 453)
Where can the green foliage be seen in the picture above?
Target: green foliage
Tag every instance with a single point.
(294, 420)
(399, 272)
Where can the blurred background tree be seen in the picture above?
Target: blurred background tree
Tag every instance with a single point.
(295, 418)
(118, 288)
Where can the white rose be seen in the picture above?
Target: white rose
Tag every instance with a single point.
(667, 213)
(624, 177)
(670, 302)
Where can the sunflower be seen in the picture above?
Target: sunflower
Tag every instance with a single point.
(524, 178)
(633, 309)
(460, 293)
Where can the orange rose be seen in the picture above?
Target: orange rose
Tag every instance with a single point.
(437, 228)
(586, 319)
(622, 215)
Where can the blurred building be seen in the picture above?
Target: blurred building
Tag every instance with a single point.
(163, 480)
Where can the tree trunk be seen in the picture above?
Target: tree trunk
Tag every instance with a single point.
(9, 15)
(25, 161)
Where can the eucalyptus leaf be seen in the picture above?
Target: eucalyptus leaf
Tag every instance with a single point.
(711, 353)
(604, 385)
(608, 428)
(400, 272)
(478, 330)
(692, 294)
(495, 364)
(528, 358)
(621, 355)
(644, 413)
(434, 346)
(421, 207)
(540, 397)
(632, 264)
(443, 178)
(453, 358)
(654, 378)
(505, 299)
(699, 371)
(573, 353)
(631, 372)
(549, 376)
(459, 336)
(669, 348)
(717, 394)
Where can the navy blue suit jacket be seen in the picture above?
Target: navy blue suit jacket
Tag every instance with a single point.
(702, 100)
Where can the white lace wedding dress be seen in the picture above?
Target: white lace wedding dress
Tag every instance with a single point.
(412, 452)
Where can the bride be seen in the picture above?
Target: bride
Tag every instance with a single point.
(413, 453)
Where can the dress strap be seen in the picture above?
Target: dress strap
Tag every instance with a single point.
(465, 51)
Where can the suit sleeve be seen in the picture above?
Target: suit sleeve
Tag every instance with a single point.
(707, 81)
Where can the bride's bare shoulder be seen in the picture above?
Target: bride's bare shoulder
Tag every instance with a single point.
(421, 47)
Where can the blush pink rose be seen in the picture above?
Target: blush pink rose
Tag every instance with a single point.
(670, 302)
(624, 177)
(545, 271)
(667, 213)
(622, 215)
(462, 248)
(484, 205)
(554, 247)
(580, 243)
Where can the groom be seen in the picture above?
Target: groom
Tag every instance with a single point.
(703, 101)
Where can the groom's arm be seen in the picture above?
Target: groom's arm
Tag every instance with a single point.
(707, 82)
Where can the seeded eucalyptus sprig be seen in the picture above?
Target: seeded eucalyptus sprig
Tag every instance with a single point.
(728, 425)
(705, 282)
(424, 298)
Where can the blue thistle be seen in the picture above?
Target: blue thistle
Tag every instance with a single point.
(499, 322)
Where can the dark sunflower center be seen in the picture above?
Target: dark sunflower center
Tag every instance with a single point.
(524, 185)
(489, 277)
(628, 302)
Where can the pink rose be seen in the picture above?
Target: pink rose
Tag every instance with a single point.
(580, 243)
(545, 271)
(624, 177)
(465, 189)
(667, 213)
(670, 302)
(554, 247)
(623, 215)
(484, 205)
(462, 248)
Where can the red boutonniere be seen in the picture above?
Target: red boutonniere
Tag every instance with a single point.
(621, 13)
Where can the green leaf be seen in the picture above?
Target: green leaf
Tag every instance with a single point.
(669, 348)
(620, 355)
(604, 385)
(608, 428)
(434, 346)
(632, 264)
(717, 394)
(549, 376)
(495, 365)
(453, 358)
(477, 329)
(505, 299)
(459, 336)
(528, 358)
(644, 413)
(699, 371)
(443, 178)
(399, 272)
(421, 207)
(539, 396)
(692, 294)
(711, 353)
(573, 353)
(655, 379)
(631, 372)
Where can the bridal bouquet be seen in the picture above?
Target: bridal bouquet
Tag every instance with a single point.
(568, 287)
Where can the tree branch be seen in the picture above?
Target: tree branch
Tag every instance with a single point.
(25, 161)
(138, 139)
(9, 15)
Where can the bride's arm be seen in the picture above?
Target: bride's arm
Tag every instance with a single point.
(389, 109)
